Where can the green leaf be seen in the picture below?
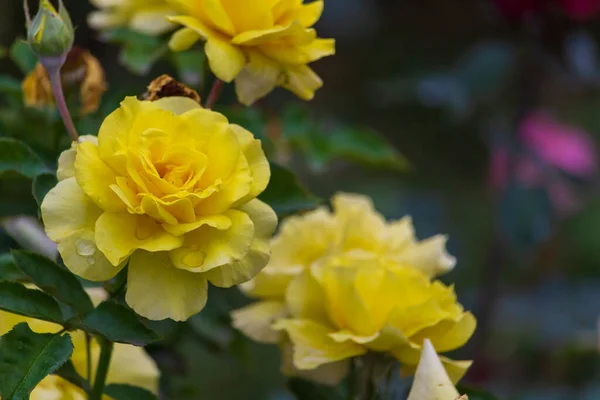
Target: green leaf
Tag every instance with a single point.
(21, 54)
(42, 184)
(139, 60)
(54, 280)
(27, 357)
(8, 269)
(119, 324)
(286, 194)
(189, 65)
(304, 390)
(16, 156)
(17, 299)
(366, 147)
(126, 392)
(130, 37)
(10, 85)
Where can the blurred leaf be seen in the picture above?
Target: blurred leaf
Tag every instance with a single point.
(42, 184)
(10, 85)
(251, 119)
(8, 269)
(118, 323)
(27, 357)
(305, 390)
(18, 299)
(190, 65)
(54, 280)
(366, 147)
(286, 194)
(126, 392)
(18, 157)
(21, 54)
(139, 52)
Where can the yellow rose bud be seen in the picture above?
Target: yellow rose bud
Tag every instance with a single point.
(144, 16)
(51, 33)
(346, 283)
(259, 44)
(129, 364)
(169, 189)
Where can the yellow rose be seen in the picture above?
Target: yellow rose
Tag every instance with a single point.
(354, 230)
(168, 188)
(431, 379)
(128, 365)
(260, 44)
(145, 16)
(344, 283)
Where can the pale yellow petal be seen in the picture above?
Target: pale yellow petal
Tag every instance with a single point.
(226, 61)
(184, 39)
(256, 319)
(177, 105)
(118, 235)
(257, 79)
(242, 270)
(131, 365)
(302, 81)
(449, 335)
(152, 21)
(431, 380)
(429, 255)
(327, 374)
(157, 290)
(312, 345)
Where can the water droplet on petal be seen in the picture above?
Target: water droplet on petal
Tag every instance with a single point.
(85, 247)
(91, 260)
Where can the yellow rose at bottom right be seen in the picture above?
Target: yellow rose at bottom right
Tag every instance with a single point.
(342, 307)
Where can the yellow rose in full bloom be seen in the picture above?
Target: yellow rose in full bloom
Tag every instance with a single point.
(345, 283)
(260, 44)
(169, 189)
(145, 16)
(129, 364)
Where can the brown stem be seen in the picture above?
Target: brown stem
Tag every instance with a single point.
(61, 104)
(215, 93)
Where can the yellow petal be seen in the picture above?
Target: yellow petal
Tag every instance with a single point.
(101, 20)
(305, 298)
(258, 78)
(66, 209)
(183, 39)
(206, 248)
(131, 365)
(265, 221)
(430, 256)
(257, 161)
(431, 380)
(246, 15)
(151, 21)
(177, 105)
(309, 14)
(197, 26)
(218, 16)
(220, 222)
(118, 235)
(449, 335)
(327, 374)
(312, 345)
(95, 177)
(157, 290)
(303, 82)
(256, 319)
(226, 61)
(82, 257)
(257, 37)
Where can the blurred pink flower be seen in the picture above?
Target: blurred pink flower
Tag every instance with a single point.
(565, 147)
(581, 10)
(517, 9)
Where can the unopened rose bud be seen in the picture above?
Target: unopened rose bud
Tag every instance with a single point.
(50, 34)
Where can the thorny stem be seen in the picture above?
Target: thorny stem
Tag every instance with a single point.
(53, 69)
(215, 93)
(106, 348)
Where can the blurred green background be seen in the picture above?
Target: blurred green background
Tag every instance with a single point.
(496, 107)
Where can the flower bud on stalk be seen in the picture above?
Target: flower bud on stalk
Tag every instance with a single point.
(50, 35)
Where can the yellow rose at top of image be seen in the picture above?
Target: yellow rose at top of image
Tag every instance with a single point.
(342, 284)
(144, 16)
(169, 189)
(260, 44)
(129, 365)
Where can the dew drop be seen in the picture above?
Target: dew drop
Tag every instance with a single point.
(91, 260)
(85, 248)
